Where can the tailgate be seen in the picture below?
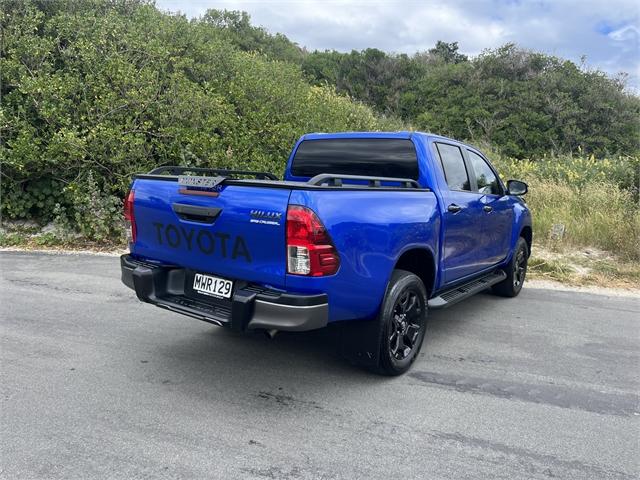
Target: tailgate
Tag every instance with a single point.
(239, 235)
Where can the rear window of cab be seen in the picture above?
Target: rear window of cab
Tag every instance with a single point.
(378, 157)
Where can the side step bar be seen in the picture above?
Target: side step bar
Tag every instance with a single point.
(465, 290)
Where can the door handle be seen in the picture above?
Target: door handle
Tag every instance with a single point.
(453, 208)
(487, 208)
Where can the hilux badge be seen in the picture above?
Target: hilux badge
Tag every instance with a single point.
(265, 217)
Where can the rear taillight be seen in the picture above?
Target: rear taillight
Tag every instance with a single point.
(130, 218)
(309, 247)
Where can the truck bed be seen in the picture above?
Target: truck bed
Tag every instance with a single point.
(236, 231)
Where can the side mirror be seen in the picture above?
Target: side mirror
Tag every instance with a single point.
(516, 187)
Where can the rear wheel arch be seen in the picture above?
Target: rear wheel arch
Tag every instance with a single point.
(420, 262)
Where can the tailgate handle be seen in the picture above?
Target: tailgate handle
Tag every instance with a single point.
(194, 213)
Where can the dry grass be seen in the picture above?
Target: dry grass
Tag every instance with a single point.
(597, 201)
(584, 267)
(27, 241)
(598, 215)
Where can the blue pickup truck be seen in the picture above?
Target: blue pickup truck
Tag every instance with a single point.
(366, 231)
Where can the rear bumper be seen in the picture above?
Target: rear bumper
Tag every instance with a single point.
(251, 306)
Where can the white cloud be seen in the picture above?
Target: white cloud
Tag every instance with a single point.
(627, 35)
(606, 31)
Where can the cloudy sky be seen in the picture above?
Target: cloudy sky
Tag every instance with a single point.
(606, 32)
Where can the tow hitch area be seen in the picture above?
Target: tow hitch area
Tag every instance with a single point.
(246, 307)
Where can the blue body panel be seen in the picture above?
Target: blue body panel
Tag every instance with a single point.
(370, 229)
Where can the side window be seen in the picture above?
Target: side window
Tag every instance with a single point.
(453, 165)
(487, 181)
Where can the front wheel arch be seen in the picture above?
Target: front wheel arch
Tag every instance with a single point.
(527, 233)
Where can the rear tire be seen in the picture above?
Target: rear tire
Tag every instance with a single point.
(516, 271)
(402, 321)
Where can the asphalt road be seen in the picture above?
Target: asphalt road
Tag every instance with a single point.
(95, 384)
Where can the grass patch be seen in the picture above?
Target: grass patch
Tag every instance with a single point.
(597, 202)
(584, 267)
(614, 273)
(550, 269)
(50, 241)
(598, 215)
(12, 239)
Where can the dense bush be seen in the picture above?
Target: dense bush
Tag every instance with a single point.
(94, 215)
(522, 102)
(94, 91)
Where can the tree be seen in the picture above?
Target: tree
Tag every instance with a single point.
(448, 52)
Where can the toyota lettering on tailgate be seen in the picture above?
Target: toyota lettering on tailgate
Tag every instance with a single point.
(208, 243)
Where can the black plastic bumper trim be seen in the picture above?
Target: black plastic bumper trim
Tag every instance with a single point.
(293, 300)
(251, 306)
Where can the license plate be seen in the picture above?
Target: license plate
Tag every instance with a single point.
(213, 286)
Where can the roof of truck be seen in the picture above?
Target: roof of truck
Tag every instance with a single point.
(402, 134)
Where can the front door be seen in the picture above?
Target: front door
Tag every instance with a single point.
(497, 211)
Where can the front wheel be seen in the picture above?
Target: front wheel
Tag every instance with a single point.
(403, 321)
(516, 271)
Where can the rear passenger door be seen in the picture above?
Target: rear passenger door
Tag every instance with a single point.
(463, 246)
(497, 210)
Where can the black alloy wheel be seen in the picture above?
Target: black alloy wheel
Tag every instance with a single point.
(406, 324)
(402, 322)
(516, 272)
(519, 269)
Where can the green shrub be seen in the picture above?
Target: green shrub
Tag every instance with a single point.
(117, 88)
(89, 212)
(94, 91)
